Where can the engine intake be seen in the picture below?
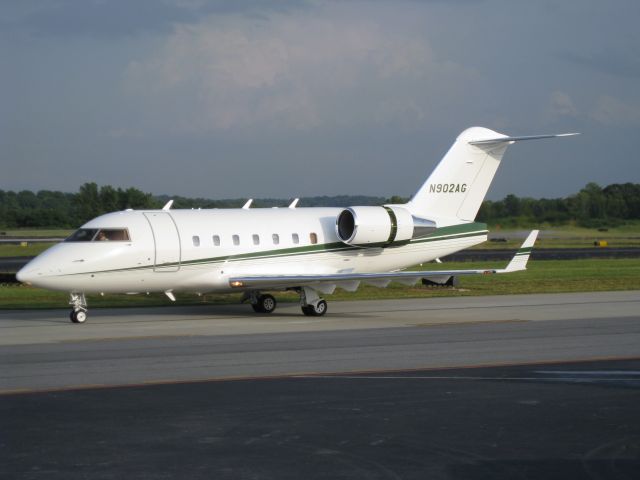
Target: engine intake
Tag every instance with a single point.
(380, 226)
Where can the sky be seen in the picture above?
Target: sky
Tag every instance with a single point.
(266, 98)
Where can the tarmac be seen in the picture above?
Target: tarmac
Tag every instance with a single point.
(526, 386)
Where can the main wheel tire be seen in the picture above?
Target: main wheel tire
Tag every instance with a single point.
(320, 308)
(266, 304)
(78, 316)
(316, 310)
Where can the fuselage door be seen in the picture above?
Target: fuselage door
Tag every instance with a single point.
(166, 242)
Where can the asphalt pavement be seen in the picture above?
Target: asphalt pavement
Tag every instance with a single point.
(503, 387)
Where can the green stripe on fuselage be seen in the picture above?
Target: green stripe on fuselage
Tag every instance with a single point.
(445, 233)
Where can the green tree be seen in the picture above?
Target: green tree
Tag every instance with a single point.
(512, 205)
(137, 199)
(109, 199)
(87, 202)
(396, 199)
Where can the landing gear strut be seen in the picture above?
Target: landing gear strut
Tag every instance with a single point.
(79, 309)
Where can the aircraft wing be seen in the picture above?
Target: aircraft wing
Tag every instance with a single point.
(351, 281)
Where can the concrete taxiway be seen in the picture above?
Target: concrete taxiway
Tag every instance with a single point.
(42, 350)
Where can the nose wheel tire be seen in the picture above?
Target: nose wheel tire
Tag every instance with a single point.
(316, 310)
(78, 316)
(265, 304)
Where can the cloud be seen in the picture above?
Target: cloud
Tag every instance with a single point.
(605, 110)
(295, 72)
(117, 18)
(562, 105)
(622, 61)
(612, 111)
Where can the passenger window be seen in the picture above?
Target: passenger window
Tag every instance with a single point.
(295, 238)
(216, 240)
(196, 240)
(236, 240)
(276, 239)
(256, 239)
(313, 238)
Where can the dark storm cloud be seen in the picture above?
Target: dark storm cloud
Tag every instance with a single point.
(313, 97)
(118, 18)
(623, 62)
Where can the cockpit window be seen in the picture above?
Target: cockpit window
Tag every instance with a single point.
(113, 234)
(101, 235)
(83, 235)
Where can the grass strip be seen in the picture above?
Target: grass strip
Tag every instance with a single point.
(544, 276)
(30, 250)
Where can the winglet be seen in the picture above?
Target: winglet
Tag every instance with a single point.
(248, 204)
(294, 203)
(520, 259)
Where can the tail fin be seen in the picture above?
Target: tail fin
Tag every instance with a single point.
(458, 185)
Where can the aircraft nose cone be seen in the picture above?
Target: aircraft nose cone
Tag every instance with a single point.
(24, 275)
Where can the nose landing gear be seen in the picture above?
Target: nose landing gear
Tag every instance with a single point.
(79, 309)
(78, 316)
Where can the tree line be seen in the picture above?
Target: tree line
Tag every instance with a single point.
(592, 206)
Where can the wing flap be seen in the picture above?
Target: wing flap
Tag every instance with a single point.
(348, 281)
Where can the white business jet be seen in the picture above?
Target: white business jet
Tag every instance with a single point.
(309, 250)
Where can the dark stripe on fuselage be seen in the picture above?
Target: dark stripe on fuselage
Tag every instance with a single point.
(444, 233)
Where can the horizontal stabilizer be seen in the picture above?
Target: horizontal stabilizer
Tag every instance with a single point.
(495, 141)
(455, 190)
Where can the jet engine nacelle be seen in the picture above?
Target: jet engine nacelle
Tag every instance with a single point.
(385, 226)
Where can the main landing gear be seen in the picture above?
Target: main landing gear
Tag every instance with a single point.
(79, 309)
(264, 304)
(316, 310)
(261, 303)
(312, 305)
